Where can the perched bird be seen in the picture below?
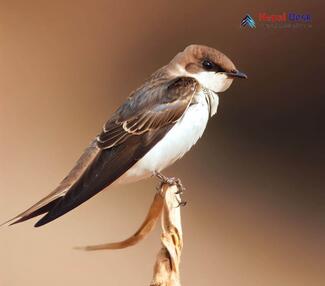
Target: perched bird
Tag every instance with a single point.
(158, 123)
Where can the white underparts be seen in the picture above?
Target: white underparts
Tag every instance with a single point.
(184, 134)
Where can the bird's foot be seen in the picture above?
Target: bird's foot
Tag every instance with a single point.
(172, 181)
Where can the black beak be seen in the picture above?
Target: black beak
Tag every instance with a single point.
(236, 73)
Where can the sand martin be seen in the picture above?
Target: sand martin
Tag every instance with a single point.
(156, 125)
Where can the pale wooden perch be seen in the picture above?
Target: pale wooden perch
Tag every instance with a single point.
(166, 202)
(166, 269)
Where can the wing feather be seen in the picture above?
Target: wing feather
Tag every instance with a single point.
(139, 124)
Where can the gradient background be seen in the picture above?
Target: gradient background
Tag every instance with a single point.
(255, 180)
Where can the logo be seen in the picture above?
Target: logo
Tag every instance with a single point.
(280, 20)
(248, 21)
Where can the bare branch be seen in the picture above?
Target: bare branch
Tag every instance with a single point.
(166, 269)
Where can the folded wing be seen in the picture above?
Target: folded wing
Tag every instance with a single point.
(140, 123)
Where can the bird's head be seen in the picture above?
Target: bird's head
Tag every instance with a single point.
(211, 68)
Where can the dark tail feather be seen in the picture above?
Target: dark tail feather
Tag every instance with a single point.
(60, 208)
(46, 204)
(104, 170)
(38, 212)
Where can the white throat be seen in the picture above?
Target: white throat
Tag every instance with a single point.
(216, 82)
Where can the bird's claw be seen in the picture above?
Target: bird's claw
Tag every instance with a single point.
(179, 186)
(181, 204)
(172, 181)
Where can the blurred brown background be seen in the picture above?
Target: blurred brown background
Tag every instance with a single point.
(255, 180)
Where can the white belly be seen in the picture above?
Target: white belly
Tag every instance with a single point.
(174, 145)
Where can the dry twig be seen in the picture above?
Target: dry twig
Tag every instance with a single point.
(166, 269)
(166, 202)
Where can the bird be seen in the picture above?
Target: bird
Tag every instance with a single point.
(156, 125)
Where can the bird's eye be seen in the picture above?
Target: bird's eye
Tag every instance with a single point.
(208, 65)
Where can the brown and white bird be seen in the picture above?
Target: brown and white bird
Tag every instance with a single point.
(158, 123)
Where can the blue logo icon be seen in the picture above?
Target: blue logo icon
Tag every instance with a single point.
(248, 21)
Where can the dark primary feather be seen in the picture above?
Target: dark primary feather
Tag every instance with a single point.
(106, 168)
(48, 202)
(140, 123)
